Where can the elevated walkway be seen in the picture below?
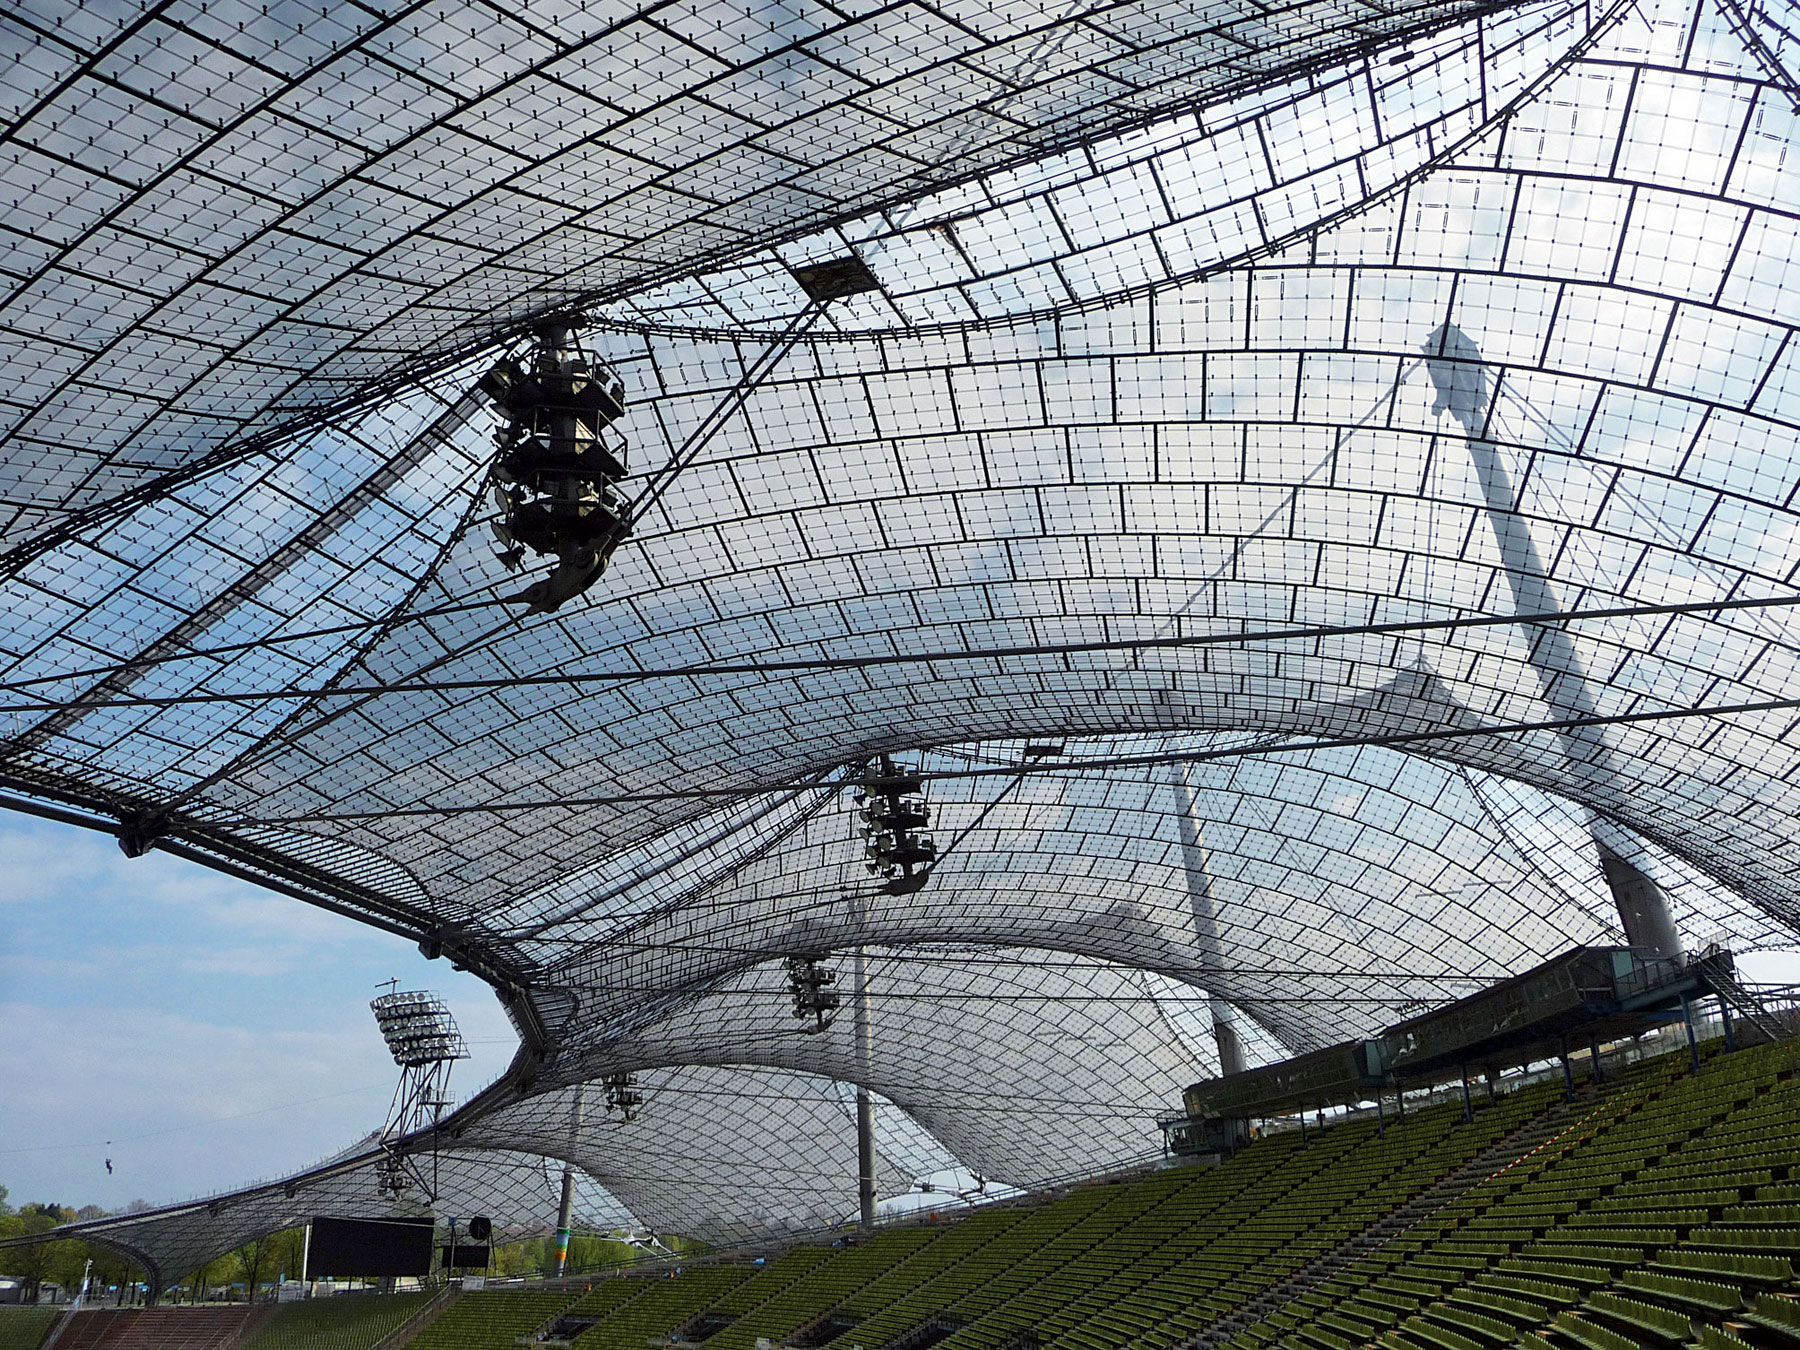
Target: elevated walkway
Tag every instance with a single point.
(1585, 996)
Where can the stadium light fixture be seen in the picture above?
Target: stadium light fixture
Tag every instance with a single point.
(623, 1095)
(418, 1029)
(893, 815)
(555, 476)
(814, 998)
(423, 1038)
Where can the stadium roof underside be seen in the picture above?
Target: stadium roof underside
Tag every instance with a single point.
(1238, 375)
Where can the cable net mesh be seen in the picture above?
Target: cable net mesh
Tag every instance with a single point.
(231, 217)
(1447, 313)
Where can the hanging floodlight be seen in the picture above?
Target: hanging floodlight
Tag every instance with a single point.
(555, 479)
(813, 995)
(622, 1095)
(892, 813)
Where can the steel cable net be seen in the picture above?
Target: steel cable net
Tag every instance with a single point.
(1492, 319)
(726, 1153)
(1027, 1065)
(227, 217)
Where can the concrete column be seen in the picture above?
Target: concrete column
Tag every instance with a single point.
(1206, 923)
(565, 1220)
(865, 1104)
(1462, 391)
(1693, 1041)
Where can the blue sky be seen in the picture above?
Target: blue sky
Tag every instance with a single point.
(215, 1033)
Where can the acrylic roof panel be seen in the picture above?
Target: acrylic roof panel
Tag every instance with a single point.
(986, 513)
(1490, 320)
(226, 216)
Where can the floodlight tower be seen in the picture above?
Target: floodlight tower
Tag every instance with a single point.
(423, 1039)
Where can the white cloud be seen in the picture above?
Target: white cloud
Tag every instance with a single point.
(215, 1034)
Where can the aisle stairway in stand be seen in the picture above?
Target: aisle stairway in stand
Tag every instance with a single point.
(202, 1328)
(1670, 1214)
(1529, 1138)
(826, 1283)
(1160, 1259)
(341, 1322)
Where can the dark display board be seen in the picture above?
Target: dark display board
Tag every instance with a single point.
(464, 1257)
(1331, 1074)
(371, 1247)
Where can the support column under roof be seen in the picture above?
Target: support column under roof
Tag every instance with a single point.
(1454, 363)
(865, 1070)
(1206, 923)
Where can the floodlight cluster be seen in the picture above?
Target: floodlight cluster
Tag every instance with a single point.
(892, 817)
(418, 1028)
(555, 477)
(815, 1001)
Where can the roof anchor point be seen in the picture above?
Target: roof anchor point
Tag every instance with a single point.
(139, 830)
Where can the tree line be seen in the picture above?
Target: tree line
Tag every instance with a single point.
(112, 1275)
(251, 1267)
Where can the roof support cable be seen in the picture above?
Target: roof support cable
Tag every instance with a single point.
(728, 407)
(1507, 826)
(1743, 22)
(288, 732)
(798, 665)
(293, 726)
(825, 785)
(252, 588)
(1396, 740)
(1032, 754)
(716, 418)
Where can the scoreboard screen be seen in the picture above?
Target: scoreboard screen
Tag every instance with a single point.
(371, 1247)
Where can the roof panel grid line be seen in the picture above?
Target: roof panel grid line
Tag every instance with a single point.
(1207, 347)
(302, 375)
